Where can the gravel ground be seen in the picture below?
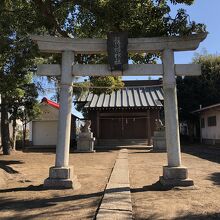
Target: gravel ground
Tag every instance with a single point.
(23, 197)
(151, 201)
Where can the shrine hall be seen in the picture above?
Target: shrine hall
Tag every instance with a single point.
(126, 115)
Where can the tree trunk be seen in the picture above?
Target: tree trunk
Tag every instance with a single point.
(5, 128)
(24, 134)
(14, 134)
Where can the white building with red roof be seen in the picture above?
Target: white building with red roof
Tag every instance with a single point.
(43, 130)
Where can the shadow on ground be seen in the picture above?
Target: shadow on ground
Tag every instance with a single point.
(22, 205)
(28, 188)
(8, 204)
(215, 178)
(53, 205)
(49, 151)
(209, 216)
(47, 208)
(4, 164)
(205, 152)
(147, 150)
(40, 188)
(154, 187)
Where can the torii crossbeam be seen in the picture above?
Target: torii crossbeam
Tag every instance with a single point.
(61, 175)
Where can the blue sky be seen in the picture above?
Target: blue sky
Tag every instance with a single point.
(207, 12)
(202, 11)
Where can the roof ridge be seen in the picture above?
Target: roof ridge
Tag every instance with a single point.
(206, 107)
(50, 102)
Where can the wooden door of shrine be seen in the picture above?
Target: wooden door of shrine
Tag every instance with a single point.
(123, 128)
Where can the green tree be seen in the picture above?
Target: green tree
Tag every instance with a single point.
(17, 55)
(16, 61)
(23, 106)
(199, 90)
(79, 18)
(95, 18)
(29, 111)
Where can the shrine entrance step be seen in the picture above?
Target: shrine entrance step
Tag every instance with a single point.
(101, 143)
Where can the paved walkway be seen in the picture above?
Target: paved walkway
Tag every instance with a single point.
(116, 203)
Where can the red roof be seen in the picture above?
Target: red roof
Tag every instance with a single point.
(50, 102)
(53, 104)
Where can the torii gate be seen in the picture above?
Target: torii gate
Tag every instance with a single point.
(61, 175)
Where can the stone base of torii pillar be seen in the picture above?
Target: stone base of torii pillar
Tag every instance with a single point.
(62, 178)
(175, 176)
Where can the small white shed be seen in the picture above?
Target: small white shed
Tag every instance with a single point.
(210, 124)
(43, 130)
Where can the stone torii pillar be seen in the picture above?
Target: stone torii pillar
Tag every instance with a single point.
(174, 173)
(61, 175)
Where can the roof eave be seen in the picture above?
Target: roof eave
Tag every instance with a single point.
(205, 108)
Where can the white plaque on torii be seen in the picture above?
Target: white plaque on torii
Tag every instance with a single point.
(61, 175)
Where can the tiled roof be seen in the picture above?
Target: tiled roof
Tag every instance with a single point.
(145, 96)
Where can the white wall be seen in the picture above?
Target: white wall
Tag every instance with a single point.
(211, 132)
(44, 133)
(43, 130)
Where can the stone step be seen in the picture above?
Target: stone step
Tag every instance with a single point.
(120, 142)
